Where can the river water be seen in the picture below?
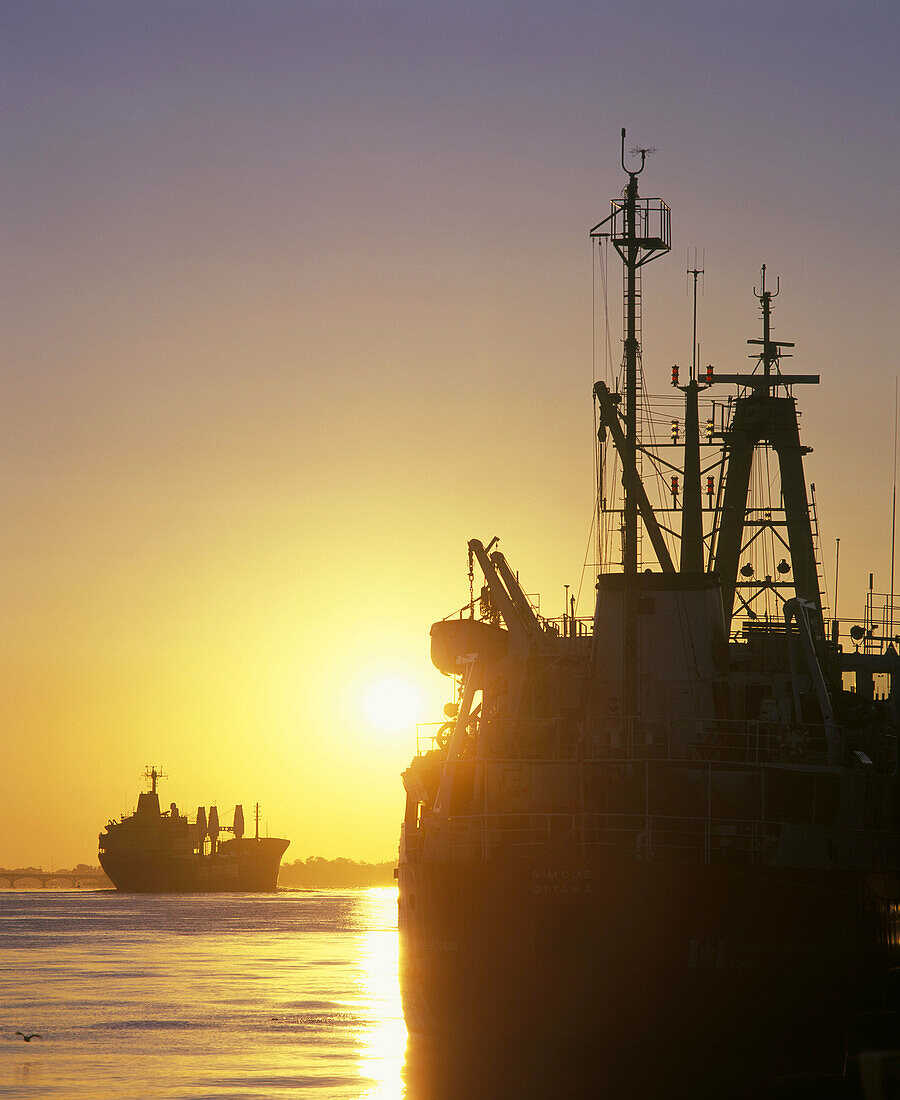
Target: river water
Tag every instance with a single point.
(220, 996)
(225, 997)
(239, 996)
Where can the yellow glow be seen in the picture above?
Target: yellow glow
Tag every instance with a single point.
(392, 704)
(381, 1059)
(240, 468)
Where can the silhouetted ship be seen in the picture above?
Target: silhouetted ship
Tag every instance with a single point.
(666, 834)
(155, 852)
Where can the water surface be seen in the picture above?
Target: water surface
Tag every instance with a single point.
(219, 996)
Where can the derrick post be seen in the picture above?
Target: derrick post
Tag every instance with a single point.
(691, 508)
(631, 668)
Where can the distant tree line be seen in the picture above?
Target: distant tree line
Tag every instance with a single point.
(78, 869)
(317, 873)
(314, 873)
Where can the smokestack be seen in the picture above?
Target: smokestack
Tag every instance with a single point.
(213, 829)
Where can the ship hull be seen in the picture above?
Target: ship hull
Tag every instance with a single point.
(251, 869)
(746, 973)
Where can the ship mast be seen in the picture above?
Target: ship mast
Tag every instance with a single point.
(640, 231)
(630, 247)
(692, 513)
(770, 353)
(154, 774)
(765, 417)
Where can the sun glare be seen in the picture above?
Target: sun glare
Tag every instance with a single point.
(392, 704)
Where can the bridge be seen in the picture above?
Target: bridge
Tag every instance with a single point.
(46, 878)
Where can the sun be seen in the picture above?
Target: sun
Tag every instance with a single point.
(392, 704)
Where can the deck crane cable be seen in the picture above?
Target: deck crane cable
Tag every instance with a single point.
(604, 269)
(646, 420)
(598, 456)
(586, 565)
(658, 474)
(596, 445)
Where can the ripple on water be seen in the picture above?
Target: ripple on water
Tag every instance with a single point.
(216, 996)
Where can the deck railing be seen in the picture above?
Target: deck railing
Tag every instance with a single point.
(702, 741)
(693, 840)
(656, 836)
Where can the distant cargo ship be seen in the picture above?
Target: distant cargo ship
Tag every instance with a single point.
(155, 852)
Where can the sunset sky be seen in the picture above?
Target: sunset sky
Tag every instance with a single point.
(297, 298)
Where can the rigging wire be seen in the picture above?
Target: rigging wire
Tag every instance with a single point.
(604, 517)
(596, 446)
(587, 551)
(598, 449)
(894, 513)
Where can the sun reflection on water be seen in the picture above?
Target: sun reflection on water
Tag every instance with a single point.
(382, 1056)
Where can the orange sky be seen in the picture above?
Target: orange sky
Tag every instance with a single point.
(297, 298)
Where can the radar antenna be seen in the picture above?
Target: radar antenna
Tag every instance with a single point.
(695, 271)
(770, 352)
(637, 151)
(153, 774)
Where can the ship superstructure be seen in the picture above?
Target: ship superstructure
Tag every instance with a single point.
(673, 828)
(155, 851)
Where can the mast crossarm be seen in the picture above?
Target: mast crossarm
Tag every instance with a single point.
(746, 606)
(768, 381)
(658, 248)
(610, 419)
(764, 525)
(658, 460)
(609, 217)
(668, 530)
(751, 599)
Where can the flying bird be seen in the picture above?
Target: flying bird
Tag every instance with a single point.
(28, 1038)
